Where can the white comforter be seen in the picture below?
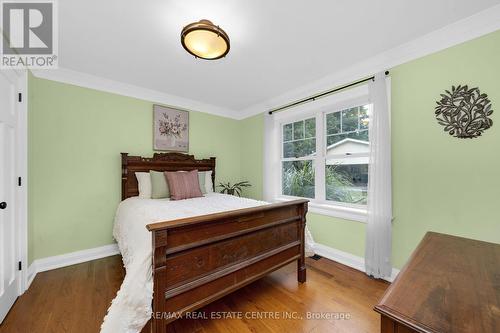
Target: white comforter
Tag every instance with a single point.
(131, 308)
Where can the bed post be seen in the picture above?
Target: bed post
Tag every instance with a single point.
(159, 322)
(212, 159)
(301, 262)
(124, 175)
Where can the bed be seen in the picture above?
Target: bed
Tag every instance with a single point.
(197, 259)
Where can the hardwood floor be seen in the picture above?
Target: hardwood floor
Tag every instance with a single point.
(75, 299)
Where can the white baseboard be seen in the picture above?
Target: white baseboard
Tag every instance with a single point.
(68, 259)
(31, 275)
(73, 258)
(347, 259)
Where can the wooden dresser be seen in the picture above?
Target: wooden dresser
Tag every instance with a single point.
(450, 284)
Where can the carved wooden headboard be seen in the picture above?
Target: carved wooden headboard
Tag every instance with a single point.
(159, 162)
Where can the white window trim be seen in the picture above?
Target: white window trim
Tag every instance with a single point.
(351, 213)
(344, 100)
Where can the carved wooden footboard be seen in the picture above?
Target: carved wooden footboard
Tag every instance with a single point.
(198, 260)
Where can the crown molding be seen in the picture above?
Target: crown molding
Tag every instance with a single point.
(102, 84)
(472, 27)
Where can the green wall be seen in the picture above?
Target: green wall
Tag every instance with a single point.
(440, 183)
(252, 140)
(75, 139)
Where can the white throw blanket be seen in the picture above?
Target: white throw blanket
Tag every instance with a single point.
(131, 308)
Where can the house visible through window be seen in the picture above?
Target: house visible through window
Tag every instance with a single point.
(347, 151)
(341, 168)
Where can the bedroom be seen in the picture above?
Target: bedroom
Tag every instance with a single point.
(377, 184)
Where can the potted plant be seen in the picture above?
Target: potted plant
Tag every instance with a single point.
(234, 189)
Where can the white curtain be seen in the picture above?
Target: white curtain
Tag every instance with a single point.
(270, 158)
(379, 228)
(271, 167)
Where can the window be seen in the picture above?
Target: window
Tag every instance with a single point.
(297, 165)
(339, 174)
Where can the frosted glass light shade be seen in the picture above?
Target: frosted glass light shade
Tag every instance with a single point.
(205, 40)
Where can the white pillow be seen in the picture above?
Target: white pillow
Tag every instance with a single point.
(208, 182)
(144, 182)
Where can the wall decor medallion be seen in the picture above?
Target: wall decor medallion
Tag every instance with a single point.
(464, 113)
(171, 129)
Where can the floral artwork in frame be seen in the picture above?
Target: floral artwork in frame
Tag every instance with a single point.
(171, 129)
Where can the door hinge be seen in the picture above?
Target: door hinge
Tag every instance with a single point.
(20, 97)
(20, 266)
(19, 183)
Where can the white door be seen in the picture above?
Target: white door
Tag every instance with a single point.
(9, 277)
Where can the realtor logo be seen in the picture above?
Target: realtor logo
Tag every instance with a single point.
(29, 34)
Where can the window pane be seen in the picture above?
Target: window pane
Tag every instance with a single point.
(298, 178)
(347, 124)
(310, 125)
(363, 117)
(303, 134)
(347, 181)
(288, 132)
(333, 123)
(301, 148)
(350, 120)
(298, 130)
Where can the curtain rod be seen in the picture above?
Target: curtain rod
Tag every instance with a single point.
(323, 94)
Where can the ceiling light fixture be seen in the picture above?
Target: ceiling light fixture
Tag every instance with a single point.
(205, 40)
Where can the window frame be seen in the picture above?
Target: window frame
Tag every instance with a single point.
(336, 103)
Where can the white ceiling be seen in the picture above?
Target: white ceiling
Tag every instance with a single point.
(276, 45)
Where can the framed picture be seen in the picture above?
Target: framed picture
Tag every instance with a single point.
(171, 129)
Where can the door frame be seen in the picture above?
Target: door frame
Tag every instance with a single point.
(21, 168)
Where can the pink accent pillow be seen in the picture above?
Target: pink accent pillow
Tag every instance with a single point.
(183, 185)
